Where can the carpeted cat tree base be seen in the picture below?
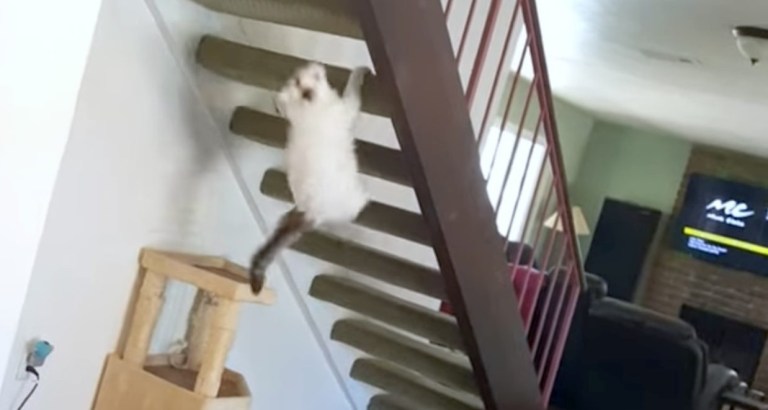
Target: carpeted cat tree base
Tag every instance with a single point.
(197, 378)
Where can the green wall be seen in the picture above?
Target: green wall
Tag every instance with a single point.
(628, 164)
(575, 128)
(604, 159)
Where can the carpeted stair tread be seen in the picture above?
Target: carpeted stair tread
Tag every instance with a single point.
(377, 216)
(431, 362)
(389, 402)
(270, 70)
(327, 16)
(374, 160)
(400, 382)
(373, 263)
(387, 308)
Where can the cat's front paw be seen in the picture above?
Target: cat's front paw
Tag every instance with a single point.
(359, 74)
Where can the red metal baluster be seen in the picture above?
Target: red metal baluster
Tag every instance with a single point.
(543, 266)
(525, 230)
(525, 173)
(540, 68)
(482, 53)
(555, 320)
(501, 68)
(467, 26)
(448, 8)
(508, 106)
(514, 148)
(530, 268)
(560, 347)
(545, 263)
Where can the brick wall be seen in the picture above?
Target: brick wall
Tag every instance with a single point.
(676, 279)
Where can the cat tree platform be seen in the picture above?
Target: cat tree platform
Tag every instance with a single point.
(133, 380)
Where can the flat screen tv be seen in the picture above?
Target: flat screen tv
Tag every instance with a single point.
(725, 223)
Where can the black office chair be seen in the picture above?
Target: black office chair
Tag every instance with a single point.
(637, 359)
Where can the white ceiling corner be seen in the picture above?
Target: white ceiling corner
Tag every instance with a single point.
(668, 65)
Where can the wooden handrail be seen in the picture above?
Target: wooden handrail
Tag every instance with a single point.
(411, 51)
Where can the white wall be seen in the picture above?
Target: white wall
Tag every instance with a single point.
(42, 58)
(145, 165)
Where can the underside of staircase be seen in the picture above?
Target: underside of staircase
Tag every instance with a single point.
(412, 354)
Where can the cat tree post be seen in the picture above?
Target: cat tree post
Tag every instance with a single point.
(145, 317)
(197, 328)
(134, 380)
(222, 334)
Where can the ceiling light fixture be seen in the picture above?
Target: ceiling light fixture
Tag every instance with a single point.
(752, 42)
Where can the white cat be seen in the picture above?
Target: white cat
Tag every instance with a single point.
(320, 159)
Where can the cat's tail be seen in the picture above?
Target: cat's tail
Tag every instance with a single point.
(292, 225)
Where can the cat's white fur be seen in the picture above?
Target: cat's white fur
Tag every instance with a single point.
(320, 153)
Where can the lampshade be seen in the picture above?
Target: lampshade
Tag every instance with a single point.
(579, 222)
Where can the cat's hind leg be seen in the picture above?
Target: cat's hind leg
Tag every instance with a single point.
(292, 225)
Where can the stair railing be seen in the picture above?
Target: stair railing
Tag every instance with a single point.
(500, 221)
(526, 112)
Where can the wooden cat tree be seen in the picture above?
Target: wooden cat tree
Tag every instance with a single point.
(133, 380)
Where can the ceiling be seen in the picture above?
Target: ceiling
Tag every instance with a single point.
(668, 65)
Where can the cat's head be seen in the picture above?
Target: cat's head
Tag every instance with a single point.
(310, 83)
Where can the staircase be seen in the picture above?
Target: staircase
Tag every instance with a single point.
(416, 357)
(415, 374)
